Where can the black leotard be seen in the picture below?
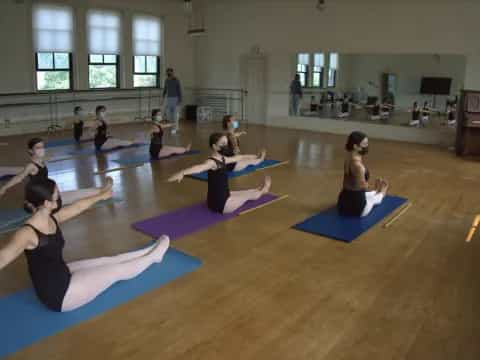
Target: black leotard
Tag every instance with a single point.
(42, 173)
(352, 202)
(415, 115)
(156, 143)
(218, 189)
(451, 115)
(233, 144)
(101, 135)
(345, 107)
(78, 130)
(376, 110)
(49, 272)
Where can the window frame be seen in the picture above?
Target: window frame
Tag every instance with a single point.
(304, 72)
(117, 70)
(332, 70)
(69, 70)
(157, 73)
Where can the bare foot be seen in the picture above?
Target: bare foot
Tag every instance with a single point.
(263, 154)
(267, 184)
(162, 245)
(188, 147)
(384, 187)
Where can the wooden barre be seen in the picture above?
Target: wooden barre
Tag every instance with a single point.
(473, 228)
(397, 216)
(263, 205)
(116, 169)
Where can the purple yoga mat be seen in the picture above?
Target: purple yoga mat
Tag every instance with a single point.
(190, 219)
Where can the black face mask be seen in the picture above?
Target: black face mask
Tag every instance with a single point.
(364, 150)
(59, 205)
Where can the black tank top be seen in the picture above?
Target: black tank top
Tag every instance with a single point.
(218, 189)
(451, 115)
(345, 107)
(42, 173)
(78, 130)
(101, 135)
(376, 110)
(233, 144)
(156, 143)
(49, 272)
(415, 114)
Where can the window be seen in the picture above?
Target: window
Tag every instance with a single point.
(53, 41)
(332, 70)
(317, 73)
(104, 48)
(302, 68)
(147, 48)
(102, 71)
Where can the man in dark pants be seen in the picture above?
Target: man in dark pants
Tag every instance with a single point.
(172, 91)
(295, 94)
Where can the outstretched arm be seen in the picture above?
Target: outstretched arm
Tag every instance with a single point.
(78, 207)
(207, 165)
(17, 179)
(21, 240)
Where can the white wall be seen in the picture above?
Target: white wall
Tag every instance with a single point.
(282, 28)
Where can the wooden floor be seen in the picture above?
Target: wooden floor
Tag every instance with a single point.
(266, 291)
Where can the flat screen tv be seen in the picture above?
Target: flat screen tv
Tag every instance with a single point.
(436, 86)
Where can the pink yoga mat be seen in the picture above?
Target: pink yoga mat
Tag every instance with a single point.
(191, 219)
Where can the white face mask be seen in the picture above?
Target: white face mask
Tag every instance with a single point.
(101, 115)
(235, 124)
(158, 117)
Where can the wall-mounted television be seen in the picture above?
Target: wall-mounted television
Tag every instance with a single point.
(436, 86)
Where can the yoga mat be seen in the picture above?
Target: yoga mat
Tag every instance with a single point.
(64, 142)
(345, 228)
(143, 158)
(25, 320)
(12, 219)
(93, 151)
(233, 174)
(191, 219)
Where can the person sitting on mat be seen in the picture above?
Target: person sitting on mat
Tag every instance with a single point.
(37, 170)
(60, 286)
(78, 123)
(230, 124)
(415, 115)
(355, 199)
(219, 197)
(102, 141)
(157, 149)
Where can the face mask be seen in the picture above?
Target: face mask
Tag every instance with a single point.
(235, 125)
(40, 153)
(158, 118)
(101, 115)
(364, 150)
(59, 205)
(223, 148)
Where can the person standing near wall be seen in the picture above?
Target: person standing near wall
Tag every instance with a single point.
(172, 92)
(295, 94)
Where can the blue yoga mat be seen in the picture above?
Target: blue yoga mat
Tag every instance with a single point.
(143, 158)
(25, 320)
(233, 174)
(330, 224)
(6, 177)
(10, 219)
(93, 151)
(64, 142)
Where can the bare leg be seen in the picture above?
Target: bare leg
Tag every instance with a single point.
(109, 260)
(112, 143)
(238, 198)
(245, 163)
(87, 284)
(173, 150)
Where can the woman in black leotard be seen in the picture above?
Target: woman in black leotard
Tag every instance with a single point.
(230, 125)
(355, 199)
(58, 285)
(37, 170)
(157, 148)
(78, 123)
(219, 197)
(102, 141)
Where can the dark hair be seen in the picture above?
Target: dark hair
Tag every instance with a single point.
(37, 192)
(169, 69)
(355, 138)
(100, 108)
(77, 109)
(155, 112)
(225, 121)
(214, 138)
(34, 141)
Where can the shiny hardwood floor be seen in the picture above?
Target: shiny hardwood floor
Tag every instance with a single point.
(266, 291)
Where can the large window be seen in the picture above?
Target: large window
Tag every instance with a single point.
(332, 70)
(303, 63)
(104, 48)
(318, 66)
(53, 41)
(146, 49)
